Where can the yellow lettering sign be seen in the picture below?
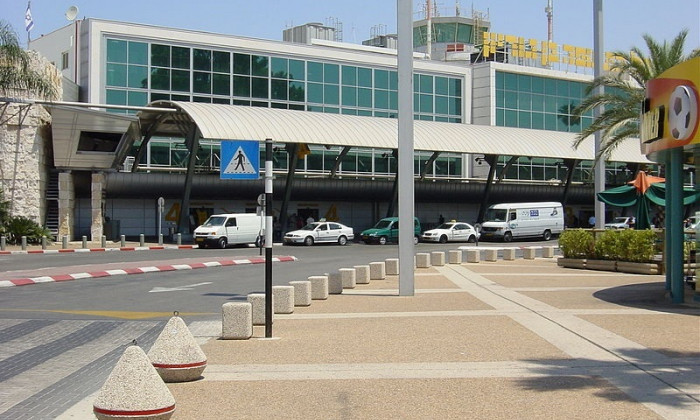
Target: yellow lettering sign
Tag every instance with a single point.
(652, 125)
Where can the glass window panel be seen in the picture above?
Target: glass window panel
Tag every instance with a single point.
(160, 79)
(201, 59)
(455, 106)
(116, 97)
(524, 83)
(416, 82)
(116, 51)
(441, 86)
(201, 82)
(350, 75)
(393, 100)
(393, 80)
(416, 102)
(348, 111)
(364, 77)
(537, 84)
(241, 64)
(296, 70)
(511, 118)
(524, 101)
(381, 114)
(538, 120)
(315, 71)
(225, 101)
(278, 105)
(524, 119)
(364, 97)
(278, 89)
(550, 122)
(259, 65)
(160, 153)
(537, 102)
(278, 66)
(426, 103)
(562, 88)
(500, 80)
(138, 53)
(331, 73)
(116, 74)
(184, 98)
(442, 119)
(511, 81)
(331, 110)
(135, 98)
(576, 89)
(181, 80)
(160, 55)
(381, 79)
(349, 96)
(425, 117)
(381, 164)
(500, 117)
(221, 84)
(181, 57)
(441, 105)
(296, 91)
(138, 77)
(364, 112)
(500, 98)
(456, 87)
(511, 99)
(464, 33)
(550, 86)
(349, 163)
(426, 84)
(259, 87)
(221, 61)
(259, 104)
(315, 91)
(550, 104)
(159, 97)
(564, 123)
(331, 95)
(315, 108)
(241, 86)
(240, 102)
(381, 99)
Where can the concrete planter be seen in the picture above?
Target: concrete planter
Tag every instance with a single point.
(579, 263)
(602, 265)
(638, 267)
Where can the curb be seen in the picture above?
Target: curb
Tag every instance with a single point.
(126, 248)
(138, 270)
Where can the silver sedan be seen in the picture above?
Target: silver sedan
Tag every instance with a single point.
(320, 232)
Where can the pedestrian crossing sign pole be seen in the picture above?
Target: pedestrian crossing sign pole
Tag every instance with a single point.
(240, 159)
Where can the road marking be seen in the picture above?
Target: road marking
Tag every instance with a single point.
(178, 288)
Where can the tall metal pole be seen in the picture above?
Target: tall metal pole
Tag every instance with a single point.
(598, 60)
(268, 238)
(405, 159)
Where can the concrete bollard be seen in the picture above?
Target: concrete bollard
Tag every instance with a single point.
(176, 355)
(3, 243)
(491, 254)
(257, 301)
(392, 266)
(529, 253)
(362, 274)
(422, 260)
(122, 240)
(236, 320)
(179, 238)
(43, 242)
(335, 283)
(103, 241)
(160, 239)
(132, 389)
(437, 258)
(454, 256)
(348, 278)
(142, 240)
(319, 287)
(302, 292)
(64, 242)
(283, 299)
(84, 244)
(509, 254)
(23, 240)
(473, 255)
(377, 270)
(548, 252)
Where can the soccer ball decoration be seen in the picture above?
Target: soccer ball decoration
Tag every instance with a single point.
(683, 112)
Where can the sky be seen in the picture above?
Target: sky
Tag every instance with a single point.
(624, 21)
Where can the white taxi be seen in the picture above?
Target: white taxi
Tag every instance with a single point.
(451, 232)
(320, 232)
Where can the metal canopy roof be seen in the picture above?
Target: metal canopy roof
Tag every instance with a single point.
(231, 122)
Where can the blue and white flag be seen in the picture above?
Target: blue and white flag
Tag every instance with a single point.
(28, 21)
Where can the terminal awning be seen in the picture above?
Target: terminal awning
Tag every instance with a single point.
(231, 122)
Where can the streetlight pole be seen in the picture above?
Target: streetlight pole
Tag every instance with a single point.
(598, 60)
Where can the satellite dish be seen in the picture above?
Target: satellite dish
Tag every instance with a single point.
(71, 13)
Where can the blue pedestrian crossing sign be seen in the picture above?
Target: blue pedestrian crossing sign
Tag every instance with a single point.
(240, 159)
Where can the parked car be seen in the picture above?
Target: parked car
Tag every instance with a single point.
(387, 230)
(506, 221)
(451, 232)
(320, 232)
(221, 230)
(620, 222)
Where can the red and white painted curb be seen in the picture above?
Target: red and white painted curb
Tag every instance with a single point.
(125, 248)
(138, 270)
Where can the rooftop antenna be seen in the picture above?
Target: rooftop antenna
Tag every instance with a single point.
(71, 13)
(549, 10)
(458, 8)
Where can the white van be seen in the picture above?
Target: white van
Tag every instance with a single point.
(512, 220)
(221, 230)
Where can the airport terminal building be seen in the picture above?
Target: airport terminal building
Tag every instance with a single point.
(493, 123)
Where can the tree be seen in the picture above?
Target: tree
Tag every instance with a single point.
(16, 70)
(625, 90)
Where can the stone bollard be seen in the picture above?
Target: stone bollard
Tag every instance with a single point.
(529, 253)
(392, 266)
(319, 287)
(23, 240)
(179, 238)
(377, 270)
(509, 254)
(103, 241)
(473, 255)
(236, 320)
(348, 278)
(454, 256)
(132, 389)
(302, 292)
(422, 260)
(3, 243)
(362, 274)
(491, 254)
(43, 242)
(176, 355)
(122, 241)
(160, 239)
(548, 252)
(283, 299)
(64, 242)
(84, 244)
(437, 258)
(257, 301)
(142, 240)
(335, 283)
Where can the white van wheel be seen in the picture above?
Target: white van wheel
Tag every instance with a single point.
(547, 235)
(507, 237)
(222, 243)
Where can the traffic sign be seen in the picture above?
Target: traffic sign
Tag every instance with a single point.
(240, 159)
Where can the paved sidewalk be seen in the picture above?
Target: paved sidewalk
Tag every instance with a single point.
(519, 339)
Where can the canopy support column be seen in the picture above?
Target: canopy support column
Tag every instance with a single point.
(339, 159)
(570, 165)
(292, 151)
(192, 143)
(491, 160)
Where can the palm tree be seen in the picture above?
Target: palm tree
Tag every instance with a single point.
(16, 71)
(625, 90)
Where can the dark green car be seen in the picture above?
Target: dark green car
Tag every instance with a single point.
(387, 230)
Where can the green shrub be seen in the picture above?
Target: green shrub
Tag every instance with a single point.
(576, 243)
(607, 245)
(19, 226)
(636, 245)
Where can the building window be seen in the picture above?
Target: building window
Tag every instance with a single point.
(64, 60)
